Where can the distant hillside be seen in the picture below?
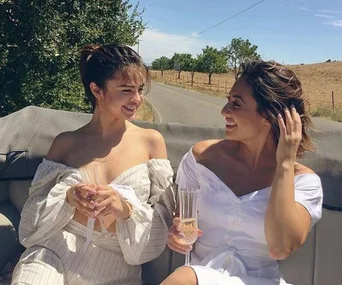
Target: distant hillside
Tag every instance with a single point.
(319, 80)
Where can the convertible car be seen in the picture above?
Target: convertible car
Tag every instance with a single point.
(26, 136)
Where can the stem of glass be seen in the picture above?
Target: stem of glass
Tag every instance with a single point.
(187, 259)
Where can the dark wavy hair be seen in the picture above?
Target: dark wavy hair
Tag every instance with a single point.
(101, 63)
(275, 87)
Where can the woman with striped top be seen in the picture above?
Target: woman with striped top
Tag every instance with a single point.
(134, 199)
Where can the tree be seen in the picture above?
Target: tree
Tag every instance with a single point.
(240, 51)
(193, 68)
(161, 63)
(40, 43)
(181, 62)
(211, 60)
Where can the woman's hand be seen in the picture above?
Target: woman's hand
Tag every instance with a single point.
(290, 136)
(108, 201)
(79, 196)
(175, 236)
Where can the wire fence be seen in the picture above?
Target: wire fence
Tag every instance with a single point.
(219, 83)
(321, 100)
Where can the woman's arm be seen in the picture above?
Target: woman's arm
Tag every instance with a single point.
(47, 209)
(143, 235)
(287, 222)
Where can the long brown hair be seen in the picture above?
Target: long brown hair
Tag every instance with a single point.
(275, 87)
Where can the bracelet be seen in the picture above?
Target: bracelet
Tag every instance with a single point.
(130, 209)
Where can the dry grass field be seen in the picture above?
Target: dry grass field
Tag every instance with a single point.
(319, 81)
(145, 113)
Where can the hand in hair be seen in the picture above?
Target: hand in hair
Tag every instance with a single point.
(290, 136)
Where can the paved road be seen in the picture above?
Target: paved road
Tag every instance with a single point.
(179, 105)
(185, 106)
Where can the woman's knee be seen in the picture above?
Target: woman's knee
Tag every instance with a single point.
(38, 265)
(182, 276)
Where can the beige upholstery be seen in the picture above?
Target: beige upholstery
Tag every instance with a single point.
(328, 249)
(3, 193)
(16, 194)
(9, 218)
(303, 259)
(318, 262)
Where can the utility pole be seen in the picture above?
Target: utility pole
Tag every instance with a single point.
(139, 44)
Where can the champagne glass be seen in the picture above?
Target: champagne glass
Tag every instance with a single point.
(188, 217)
(90, 176)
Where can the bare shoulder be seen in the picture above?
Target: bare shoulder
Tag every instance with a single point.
(154, 136)
(202, 147)
(60, 146)
(302, 169)
(154, 141)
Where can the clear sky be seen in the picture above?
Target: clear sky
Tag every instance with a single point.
(288, 31)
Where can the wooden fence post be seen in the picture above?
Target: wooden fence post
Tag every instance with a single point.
(333, 100)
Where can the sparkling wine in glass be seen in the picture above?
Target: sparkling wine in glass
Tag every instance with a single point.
(188, 217)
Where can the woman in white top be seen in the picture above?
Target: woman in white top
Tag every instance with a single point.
(134, 199)
(256, 204)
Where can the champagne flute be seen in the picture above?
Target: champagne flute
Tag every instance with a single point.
(188, 217)
(90, 176)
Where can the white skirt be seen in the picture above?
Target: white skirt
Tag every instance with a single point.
(225, 267)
